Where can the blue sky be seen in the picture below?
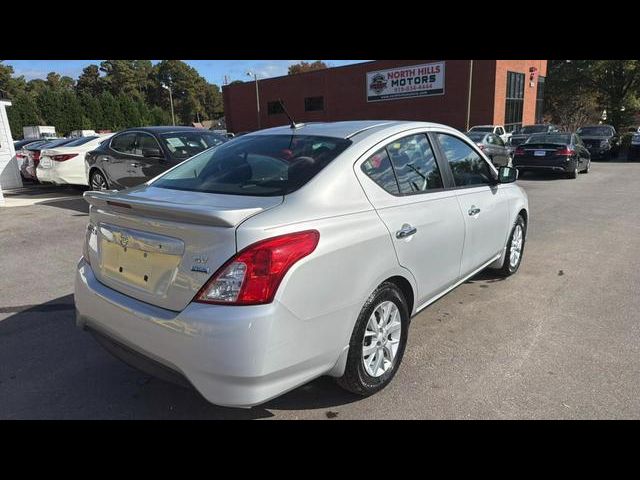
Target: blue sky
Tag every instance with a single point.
(213, 70)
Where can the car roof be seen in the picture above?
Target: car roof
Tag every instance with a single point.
(347, 129)
(165, 129)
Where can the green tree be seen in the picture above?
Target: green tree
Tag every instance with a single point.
(90, 82)
(92, 109)
(129, 110)
(303, 67)
(23, 112)
(112, 116)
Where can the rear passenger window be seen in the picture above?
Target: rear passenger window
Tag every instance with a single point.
(378, 168)
(124, 143)
(414, 164)
(467, 166)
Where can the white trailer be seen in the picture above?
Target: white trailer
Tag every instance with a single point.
(82, 133)
(38, 131)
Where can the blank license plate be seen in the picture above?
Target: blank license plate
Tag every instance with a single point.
(45, 163)
(539, 153)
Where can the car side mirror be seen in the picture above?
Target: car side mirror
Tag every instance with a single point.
(507, 174)
(152, 153)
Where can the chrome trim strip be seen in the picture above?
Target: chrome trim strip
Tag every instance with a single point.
(139, 240)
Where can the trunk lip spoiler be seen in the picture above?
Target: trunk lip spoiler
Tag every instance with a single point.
(197, 214)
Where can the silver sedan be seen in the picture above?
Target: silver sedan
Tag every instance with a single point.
(294, 252)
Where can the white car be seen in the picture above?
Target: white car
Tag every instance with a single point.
(65, 164)
(294, 252)
(495, 129)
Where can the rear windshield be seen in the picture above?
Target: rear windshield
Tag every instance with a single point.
(261, 165)
(534, 129)
(81, 141)
(550, 138)
(481, 129)
(183, 145)
(595, 131)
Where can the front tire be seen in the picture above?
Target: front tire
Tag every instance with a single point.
(515, 248)
(377, 342)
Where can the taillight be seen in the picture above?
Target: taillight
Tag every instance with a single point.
(253, 275)
(62, 158)
(564, 152)
(519, 152)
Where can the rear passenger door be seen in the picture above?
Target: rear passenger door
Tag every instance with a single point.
(403, 181)
(483, 204)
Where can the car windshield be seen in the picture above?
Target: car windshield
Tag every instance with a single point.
(564, 139)
(81, 141)
(595, 131)
(481, 129)
(533, 129)
(476, 136)
(186, 144)
(261, 165)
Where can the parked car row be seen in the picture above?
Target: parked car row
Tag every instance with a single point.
(112, 161)
(545, 147)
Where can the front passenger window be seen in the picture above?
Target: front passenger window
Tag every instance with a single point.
(467, 166)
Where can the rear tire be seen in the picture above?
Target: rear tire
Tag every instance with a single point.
(518, 233)
(573, 173)
(383, 324)
(97, 181)
(586, 170)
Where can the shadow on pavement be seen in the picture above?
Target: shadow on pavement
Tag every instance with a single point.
(77, 204)
(49, 369)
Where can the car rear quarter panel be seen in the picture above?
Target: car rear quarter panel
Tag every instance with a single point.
(326, 290)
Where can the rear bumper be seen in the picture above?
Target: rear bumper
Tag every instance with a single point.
(234, 356)
(559, 166)
(68, 172)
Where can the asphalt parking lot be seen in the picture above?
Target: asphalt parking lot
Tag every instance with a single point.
(558, 340)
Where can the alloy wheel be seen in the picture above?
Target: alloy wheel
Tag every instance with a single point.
(516, 246)
(381, 339)
(98, 182)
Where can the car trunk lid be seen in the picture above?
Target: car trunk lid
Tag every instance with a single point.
(160, 246)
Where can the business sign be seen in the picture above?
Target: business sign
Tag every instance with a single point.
(404, 82)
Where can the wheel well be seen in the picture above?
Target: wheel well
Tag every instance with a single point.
(406, 289)
(523, 213)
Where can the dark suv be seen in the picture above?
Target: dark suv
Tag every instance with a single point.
(602, 141)
(133, 156)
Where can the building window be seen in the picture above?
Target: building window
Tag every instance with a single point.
(274, 108)
(313, 104)
(515, 101)
(540, 100)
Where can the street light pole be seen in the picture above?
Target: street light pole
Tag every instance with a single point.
(469, 96)
(255, 77)
(168, 87)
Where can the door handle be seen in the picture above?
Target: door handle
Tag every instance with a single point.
(135, 164)
(473, 211)
(406, 231)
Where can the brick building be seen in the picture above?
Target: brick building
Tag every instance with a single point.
(507, 92)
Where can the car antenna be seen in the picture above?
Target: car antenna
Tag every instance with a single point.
(292, 123)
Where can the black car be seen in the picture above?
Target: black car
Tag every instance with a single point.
(133, 156)
(523, 133)
(493, 147)
(602, 141)
(557, 152)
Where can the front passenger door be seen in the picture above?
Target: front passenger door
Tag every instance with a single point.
(484, 206)
(149, 167)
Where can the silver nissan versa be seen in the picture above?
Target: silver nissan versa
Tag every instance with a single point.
(294, 252)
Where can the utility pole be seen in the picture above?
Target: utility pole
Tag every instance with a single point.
(255, 76)
(469, 96)
(168, 87)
